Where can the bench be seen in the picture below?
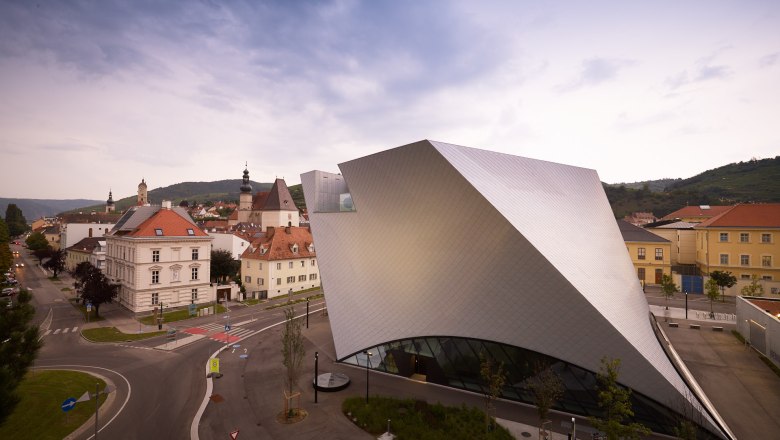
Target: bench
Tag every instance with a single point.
(717, 329)
(674, 324)
(695, 326)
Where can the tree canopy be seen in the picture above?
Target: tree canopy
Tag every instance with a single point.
(223, 266)
(93, 286)
(56, 261)
(724, 279)
(19, 347)
(615, 402)
(36, 241)
(17, 224)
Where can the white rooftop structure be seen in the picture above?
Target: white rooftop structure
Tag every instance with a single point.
(447, 241)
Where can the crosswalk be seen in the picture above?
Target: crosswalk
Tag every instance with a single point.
(216, 332)
(61, 331)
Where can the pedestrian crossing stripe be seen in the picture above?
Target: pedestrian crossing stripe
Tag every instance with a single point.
(61, 331)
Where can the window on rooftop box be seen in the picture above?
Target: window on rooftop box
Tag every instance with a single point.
(190, 231)
(158, 231)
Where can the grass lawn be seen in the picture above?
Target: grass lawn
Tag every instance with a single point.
(295, 301)
(83, 309)
(111, 334)
(416, 419)
(39, 415)
(179, 315)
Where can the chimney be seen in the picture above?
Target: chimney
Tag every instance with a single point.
(269, 232)
(287, 230)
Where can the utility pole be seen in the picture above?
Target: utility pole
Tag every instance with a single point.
(316, 381)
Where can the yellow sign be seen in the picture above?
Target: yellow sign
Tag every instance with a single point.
(214, 365)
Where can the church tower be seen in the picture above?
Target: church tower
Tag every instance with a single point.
(245, 198)
(142, 200)
(110, 202)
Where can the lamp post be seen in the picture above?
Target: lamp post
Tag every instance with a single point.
(307, 312)
(573, 428)
(368, 359)
(316, 375)
(160, 319)
(686, 304)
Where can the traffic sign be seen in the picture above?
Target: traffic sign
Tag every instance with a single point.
(214, 365)
(227, 327)
(89, 307)
(234, 434)
(68, 404)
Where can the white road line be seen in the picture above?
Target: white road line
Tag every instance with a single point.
(65, 330)
(75, 329)
(57, 331)
(47, 332)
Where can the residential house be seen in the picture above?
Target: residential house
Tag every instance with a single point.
(681, 235)
(640, 218)
(696, 214)
(52, 234)
(650, 254)
(89, 249)
(744, 240)
(273, 208)
(281, 261)
(159, 256)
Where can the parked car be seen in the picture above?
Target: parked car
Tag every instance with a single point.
(8, 291)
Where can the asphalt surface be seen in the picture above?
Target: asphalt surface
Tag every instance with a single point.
(158, 391)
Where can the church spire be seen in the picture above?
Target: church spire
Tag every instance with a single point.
(246, 187)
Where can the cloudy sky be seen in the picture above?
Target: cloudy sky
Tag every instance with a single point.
(95, 95)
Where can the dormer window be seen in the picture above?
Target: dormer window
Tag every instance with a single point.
(190, 231)
(311, 248)
(294, 248)
(158, 232)
(263, 251)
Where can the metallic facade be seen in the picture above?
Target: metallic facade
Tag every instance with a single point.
(451, 241)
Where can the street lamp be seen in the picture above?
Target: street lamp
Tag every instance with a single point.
(573, 428)
(316, 365)
(368, 359)
(686, 304)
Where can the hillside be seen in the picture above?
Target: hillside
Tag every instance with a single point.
(755, 181)
(37, 208)
(197, 192)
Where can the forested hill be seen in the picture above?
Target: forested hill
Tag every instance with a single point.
(755, 181)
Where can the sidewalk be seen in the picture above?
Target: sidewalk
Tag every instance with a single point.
(676, 313)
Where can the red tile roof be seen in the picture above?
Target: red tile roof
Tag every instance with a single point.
(697, 211)
(764, 215)
(278, 244)
(171, 223)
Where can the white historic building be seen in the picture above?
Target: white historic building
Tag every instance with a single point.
(280, 261)
(159, 256)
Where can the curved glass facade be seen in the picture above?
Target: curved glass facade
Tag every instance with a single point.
(454, 362)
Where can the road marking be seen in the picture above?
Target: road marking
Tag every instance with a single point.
(57, 331)
(65, 330)
(47, 332)
(75, 329)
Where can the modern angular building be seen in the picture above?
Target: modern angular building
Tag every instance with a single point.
(433, 253)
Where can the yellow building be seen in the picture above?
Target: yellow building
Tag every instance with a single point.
(744, 240)
(651, 254)
(682, 236)
(280, 261)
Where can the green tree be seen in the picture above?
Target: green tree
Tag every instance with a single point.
(293, 353)
(711, 289)
(547, 388)
(6, 257)
(4, 236)
(668, 288)
(37, 240)
(755, 288)
(494, 376)
(19, 347)
(56, 262)
(93, 286)
(615, 401)
(223, 266)
(43, 253)
(724, 280)
(17, 224)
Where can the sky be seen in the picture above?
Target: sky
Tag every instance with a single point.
(96, 95)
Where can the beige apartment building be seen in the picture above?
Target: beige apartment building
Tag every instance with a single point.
(650, 254)
(281, 261)
(744, 240)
